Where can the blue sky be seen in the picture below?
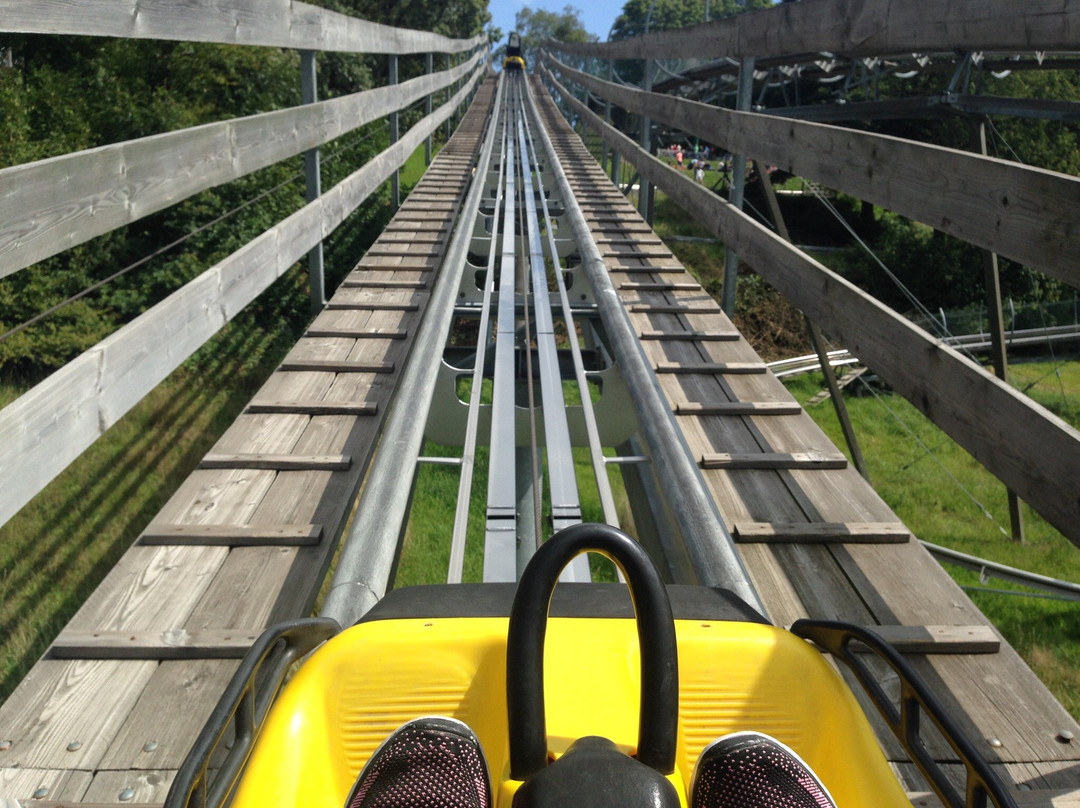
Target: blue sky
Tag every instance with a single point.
(598, 15)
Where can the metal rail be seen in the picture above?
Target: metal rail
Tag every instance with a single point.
(710, 546)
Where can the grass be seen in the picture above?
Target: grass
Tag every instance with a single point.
(56, 550)
(948, 498)
(59, 547)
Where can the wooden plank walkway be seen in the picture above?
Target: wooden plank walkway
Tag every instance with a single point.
(816, 538)
(109, 713)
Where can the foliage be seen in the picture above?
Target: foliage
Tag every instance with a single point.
(536, 25)
(662, 15)
(641, 16)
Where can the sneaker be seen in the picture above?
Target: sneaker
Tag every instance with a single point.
(751, 769)
(427, 763)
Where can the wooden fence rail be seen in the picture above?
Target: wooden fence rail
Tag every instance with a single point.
(859, 28)
(51, 205)
(1027, 447)
(1024, 213)
(45, 429)
(273, 23)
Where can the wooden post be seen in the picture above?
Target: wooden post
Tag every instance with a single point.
(395, 178)
(738, 183)
(309, 95)
(992, 279)
(816, 338)
(428, 68)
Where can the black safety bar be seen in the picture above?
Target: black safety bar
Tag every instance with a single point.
(915, 699)
(243, 706)
(658, 719)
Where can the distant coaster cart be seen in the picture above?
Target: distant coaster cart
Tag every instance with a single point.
(514, 60)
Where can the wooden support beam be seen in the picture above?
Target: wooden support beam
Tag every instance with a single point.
(692, 336)
(277, 462)
(742, 368)
(737, 408)
(821, 532)
(665, 308)
(1021, 212)
(387, 284)
(51, 205)
(157, 533)
(355, 333)
(173, 644)
(292, 25)
(939, 639)
(773, 460)
(1022, 443)
(370, 305)
(314, 407)
(857, 28)
(336, 366)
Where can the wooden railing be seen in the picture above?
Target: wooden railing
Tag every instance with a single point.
(52, 205)
(1025, 213)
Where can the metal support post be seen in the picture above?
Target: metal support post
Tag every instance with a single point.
(997, 335)
(816, 338)
(395, 178)
(738, 184)
(644, 188)
(309, 95)
(607, 118)
(449, 95)
(429, 68)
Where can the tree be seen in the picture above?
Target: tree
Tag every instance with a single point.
(534, 26)
(662, 15)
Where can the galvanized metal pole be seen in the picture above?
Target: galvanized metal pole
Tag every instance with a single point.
(309, 95)
(738, 183)
(616, 158)
(607, 119)
(395, 178)
(449, 91)
(428, 68)
(992, 280)
(368, 553)
(710, 546)
(645, 188)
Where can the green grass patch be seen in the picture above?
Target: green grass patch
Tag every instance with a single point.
(59, 547)
(947, 498)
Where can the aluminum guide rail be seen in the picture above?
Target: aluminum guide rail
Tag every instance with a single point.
(468, 455)
(368, 553)
(607, 499)
(711, 547)
(500, 537)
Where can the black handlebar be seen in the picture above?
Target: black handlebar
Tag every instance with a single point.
(658, 719)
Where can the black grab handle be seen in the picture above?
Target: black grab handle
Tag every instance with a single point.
(658, 719)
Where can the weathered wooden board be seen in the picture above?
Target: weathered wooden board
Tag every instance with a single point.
(159, 645)
(51, 205)
(979, 639)
(66, 714)
(18, 786)
(866, 532)
(150, 588)
(857, 28)
(1018, 211)
(232, 535)
(773, 460)
(737, 408)
(145, 741)
(273, 23)
(48, 427)
(1031, 450)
